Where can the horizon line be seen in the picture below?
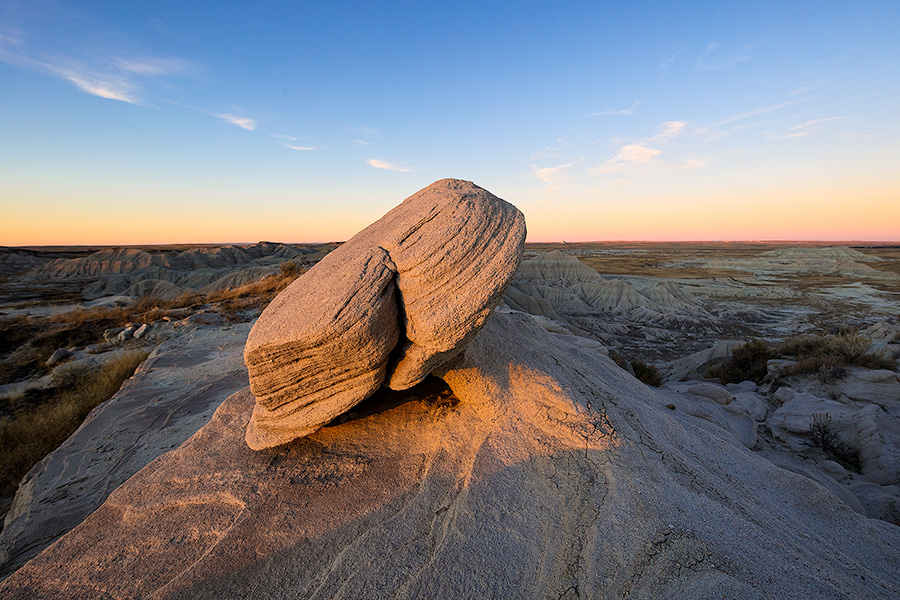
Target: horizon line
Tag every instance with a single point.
(45, 247)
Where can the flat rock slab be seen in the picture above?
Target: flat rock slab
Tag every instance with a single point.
(555, 475)
(173, 394)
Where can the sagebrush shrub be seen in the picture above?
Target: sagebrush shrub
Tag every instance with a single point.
(824, 436)
(646, 373)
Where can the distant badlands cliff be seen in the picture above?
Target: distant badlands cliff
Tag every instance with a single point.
(163, 274)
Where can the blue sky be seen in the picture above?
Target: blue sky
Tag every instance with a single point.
(169, 122)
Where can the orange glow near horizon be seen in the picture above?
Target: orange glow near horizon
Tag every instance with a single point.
(832, 213)
(821, 214)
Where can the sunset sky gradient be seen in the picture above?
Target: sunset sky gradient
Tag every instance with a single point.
(174, 122)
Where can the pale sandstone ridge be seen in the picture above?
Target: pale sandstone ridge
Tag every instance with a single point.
(166, 274)
(396, 302)
(556, 475)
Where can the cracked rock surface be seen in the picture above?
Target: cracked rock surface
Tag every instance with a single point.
(548, 472)
(397, 301)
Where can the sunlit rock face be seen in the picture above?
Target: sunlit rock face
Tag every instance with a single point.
(399, 300)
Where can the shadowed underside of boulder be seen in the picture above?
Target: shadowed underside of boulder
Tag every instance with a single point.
(556, 475)
(394, 303)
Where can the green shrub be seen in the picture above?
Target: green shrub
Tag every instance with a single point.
(829, 355)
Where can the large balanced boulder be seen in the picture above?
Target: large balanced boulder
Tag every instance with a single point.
(396, 302)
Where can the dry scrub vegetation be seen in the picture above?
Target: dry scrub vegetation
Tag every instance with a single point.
(29, 430)
(27, 343)
(643, 372)
(824, 436)
(35, 422)
(823, 355)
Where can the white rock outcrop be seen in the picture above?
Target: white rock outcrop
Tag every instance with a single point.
(556, 475)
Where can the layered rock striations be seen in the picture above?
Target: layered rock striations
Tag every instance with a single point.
(165, 274)
(394, 303)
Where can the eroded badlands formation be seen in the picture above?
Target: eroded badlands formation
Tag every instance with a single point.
(545, 470)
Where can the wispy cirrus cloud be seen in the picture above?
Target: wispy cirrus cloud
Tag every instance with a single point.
(617, 112)
(155, 66)
(549, 174)
(288, 142)
(105, 83)
(758, 111)
(801, 130)
(95, 70)
(640, 153)
(242, 122)
(380, 164)
(809, 87)
(626, 158)
(670, 130)
(692, 163)
(101, 87)
(665, 65)
(364, 136)
(713, 58)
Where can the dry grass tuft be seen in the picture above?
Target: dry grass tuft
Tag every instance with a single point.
(35, 422)
(646, 373)
(235, 303)
(31, 432)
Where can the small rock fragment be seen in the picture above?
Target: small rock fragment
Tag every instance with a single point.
(783, 394)
(712, 391)
(58, 356)
(125, 334)
(744, 386)
(110, 334)
(752, 404)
